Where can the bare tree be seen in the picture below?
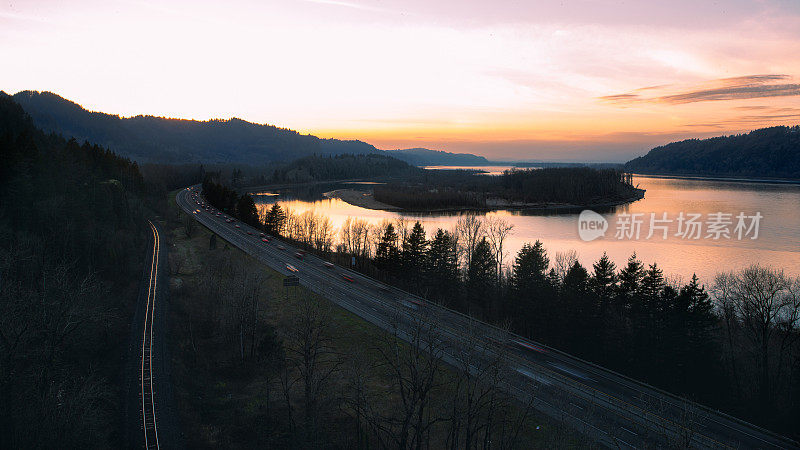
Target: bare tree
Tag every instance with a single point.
(497, 230)
(403, 228)
(766, 303)
(323, 236)
(563, 261)
(479, 406)
(469, 229)
(414, 366)
(310, 354)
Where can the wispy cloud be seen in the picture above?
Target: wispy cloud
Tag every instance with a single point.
(771, 116)
(23, 17)
(737, 88)
(347, 5)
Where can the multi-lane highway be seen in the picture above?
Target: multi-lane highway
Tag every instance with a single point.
(614, 410)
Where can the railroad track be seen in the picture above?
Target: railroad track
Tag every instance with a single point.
(149, 423)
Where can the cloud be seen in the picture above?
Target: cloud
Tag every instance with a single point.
(347, 5)
(736, 88)
(22, 17)
(772, 116)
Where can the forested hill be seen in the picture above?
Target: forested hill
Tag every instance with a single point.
(426, 157)
(768, 152)
(340, 167)
(72, 241)
(158, 139)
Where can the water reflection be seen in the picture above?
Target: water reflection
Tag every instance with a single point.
(778, 243)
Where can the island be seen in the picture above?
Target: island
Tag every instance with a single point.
(516, 189)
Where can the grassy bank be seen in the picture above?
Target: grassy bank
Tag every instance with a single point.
(229, 400)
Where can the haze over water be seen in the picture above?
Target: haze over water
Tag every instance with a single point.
(778, 242)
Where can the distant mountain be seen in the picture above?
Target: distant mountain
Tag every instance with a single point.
(768, 152)
(425, 157)
(158, 139)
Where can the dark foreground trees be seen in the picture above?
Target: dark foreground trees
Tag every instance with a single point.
(72, 243)
(739, 354)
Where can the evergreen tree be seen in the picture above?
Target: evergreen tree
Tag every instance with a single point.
(692, 324)
(553, 280)
(577, 279)
(630, 277)
(247, 212)
(481, 275)
(530, 266)
(532, 292)
(415, 248)
(442, 270)
(604, 278)
(652, 292)
(387, 255)
(275, 220)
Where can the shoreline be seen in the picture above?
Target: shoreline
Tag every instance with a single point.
(364, 199)
(720, 178)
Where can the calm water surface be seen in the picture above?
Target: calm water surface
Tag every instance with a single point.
(777, 245)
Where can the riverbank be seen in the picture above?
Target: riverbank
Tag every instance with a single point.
(720, 178)
(365, 199)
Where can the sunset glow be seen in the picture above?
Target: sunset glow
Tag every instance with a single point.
(594, 80)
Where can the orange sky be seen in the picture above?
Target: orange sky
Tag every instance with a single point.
(598, 80)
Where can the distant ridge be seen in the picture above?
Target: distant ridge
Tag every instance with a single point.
(159, 139)
(426, 157)
(764, 153)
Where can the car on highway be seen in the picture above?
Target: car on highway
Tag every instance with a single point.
(291, 268)
(249, 232)
(327, 264)
(347, 277)
(265, 240)
(409, 305)
(298, 255)
(280, 247)
(237, 226)
(529, 346)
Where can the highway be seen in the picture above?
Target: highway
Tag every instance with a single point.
(614, 410)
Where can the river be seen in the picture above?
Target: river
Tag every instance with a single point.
(777, 242)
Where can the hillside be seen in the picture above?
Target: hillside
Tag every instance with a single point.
(426, 157)
(339, 167)
(765, 153)
(159, 139)
(72, 240)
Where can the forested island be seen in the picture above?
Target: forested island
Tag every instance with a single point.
(343, 167)
(764, 153)
(550, 188)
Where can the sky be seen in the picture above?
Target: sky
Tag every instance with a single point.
(590, 80)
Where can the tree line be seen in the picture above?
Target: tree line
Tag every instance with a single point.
(766, 152)
(466, 189)
(342, 167)
(736, 350)
(165, 140)
(72, 242)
